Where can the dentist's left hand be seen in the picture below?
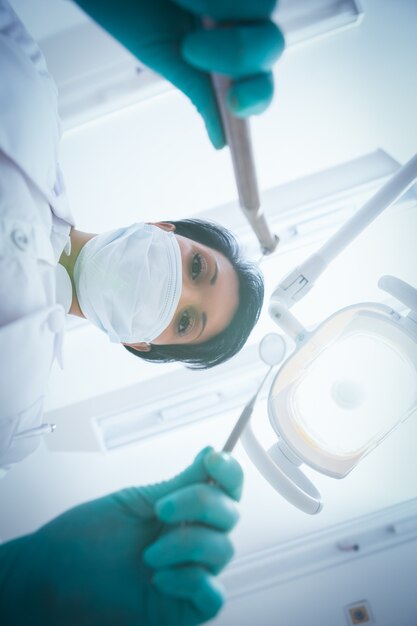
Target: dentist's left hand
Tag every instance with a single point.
(127, 558)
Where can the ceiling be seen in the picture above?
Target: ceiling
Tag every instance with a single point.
(337, 98)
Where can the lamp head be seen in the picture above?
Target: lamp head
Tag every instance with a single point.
(347, 385)
(345, 388)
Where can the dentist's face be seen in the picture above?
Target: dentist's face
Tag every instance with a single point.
(209, 298)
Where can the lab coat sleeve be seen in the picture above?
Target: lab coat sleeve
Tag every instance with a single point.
(31, 323)
(30, 128)
(27, 347)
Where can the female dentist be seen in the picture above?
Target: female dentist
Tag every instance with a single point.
(36, 221)
(127, 558)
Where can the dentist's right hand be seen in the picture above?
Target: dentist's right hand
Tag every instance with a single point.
(168, 37)
(146, 555)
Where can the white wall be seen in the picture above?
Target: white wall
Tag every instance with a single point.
(386, 580)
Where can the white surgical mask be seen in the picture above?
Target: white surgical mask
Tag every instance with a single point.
(129, 282)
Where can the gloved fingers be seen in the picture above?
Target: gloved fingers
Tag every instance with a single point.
(203, 503)
(193, 474)
(198, 87)
(226, 472)
(190, 544)
(250, 96)
(192, 584)
(236, 51)
(218, 466)
(229, 9)
(208, 465)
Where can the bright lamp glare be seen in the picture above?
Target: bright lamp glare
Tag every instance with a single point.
(353, 393)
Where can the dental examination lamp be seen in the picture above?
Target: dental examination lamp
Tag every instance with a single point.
(349, 382)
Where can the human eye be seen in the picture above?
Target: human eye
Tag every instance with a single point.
(185, 323)
(198, 265)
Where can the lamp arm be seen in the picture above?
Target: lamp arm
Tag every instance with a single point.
(299, 282)
(401, 290)
(295, 488)
(406, 294)
(384, 197)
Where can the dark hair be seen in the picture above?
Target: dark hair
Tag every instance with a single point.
(251, 293)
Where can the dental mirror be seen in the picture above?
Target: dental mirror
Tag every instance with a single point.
(272, 351)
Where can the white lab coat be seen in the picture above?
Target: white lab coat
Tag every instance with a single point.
(35, 221)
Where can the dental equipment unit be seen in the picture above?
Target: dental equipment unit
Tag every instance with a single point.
(349, 382)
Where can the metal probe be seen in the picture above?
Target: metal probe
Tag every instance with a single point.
(244, 418)
(272, 349)
(238, 139)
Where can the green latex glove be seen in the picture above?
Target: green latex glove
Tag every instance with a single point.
(127, 559)
(167, 36)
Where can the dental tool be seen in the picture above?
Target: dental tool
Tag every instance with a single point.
(238, 139)
(237, 132)
(272, 351)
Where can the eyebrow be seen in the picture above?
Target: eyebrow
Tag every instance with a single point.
(204, 322)
(214, 277)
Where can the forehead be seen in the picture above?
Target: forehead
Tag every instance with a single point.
(187, 243)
